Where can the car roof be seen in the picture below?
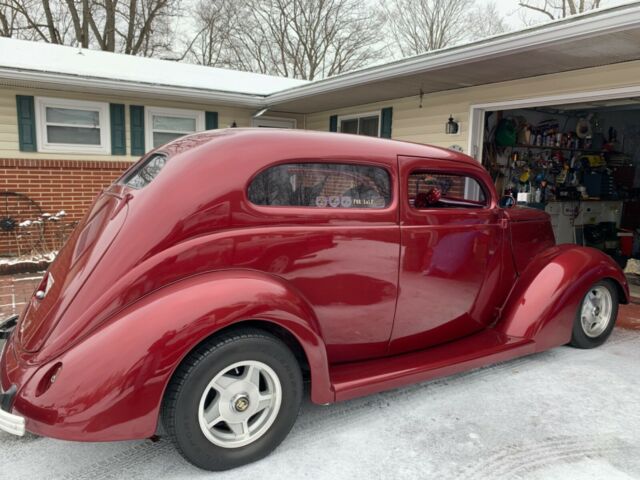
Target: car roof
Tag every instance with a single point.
(313, 144)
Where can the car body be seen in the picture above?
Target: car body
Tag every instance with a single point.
(367, 299)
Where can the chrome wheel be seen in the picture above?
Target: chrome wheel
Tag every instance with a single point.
(596, 311)
(240, 404)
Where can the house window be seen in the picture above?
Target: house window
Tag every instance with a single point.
(322, 185)
(72, 126)
(167, 124)
(273, 122)
(362, 124)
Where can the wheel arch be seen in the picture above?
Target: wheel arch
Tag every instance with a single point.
(544, 299)
(154, 335)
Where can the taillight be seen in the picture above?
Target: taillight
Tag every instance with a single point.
(45, 285)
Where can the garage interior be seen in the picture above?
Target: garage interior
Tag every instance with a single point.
(579, 162)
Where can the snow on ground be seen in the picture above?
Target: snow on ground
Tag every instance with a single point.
(565, 414)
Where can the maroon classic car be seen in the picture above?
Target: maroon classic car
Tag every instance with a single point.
(226, 268)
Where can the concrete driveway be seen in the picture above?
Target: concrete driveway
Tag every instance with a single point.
(561, 414)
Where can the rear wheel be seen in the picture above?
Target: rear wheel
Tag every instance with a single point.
(596, 315)
(233, 400)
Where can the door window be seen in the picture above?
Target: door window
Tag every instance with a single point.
(444, 190)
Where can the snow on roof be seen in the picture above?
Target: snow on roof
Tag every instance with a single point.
(50, 58)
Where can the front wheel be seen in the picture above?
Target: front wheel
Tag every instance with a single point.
(596, 316)
(233, 400)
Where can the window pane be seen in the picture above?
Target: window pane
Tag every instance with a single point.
(435, 190)
(349, 126)
(71, 116)
(174, 124)
(160, 138)
(73, 135)
(322, 186)
(143, 175)
(369, 126)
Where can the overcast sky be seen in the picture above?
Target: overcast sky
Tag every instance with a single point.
(512, 13)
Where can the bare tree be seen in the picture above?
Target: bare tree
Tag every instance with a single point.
(554, 9)
(9, 23)
(137, 27)
(293, 38)
(419, 26)
(215, 21)
(484, 20)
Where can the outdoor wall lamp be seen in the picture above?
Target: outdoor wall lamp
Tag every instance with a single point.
(451, 127)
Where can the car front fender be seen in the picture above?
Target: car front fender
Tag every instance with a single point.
(111, 384)
(544, 300)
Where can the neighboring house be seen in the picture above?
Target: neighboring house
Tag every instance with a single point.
(72, 120)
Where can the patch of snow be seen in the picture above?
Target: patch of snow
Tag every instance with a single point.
(49, 58)
(35, 259)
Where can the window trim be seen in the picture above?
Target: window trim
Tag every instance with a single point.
(353, 116)
(149, 112)
(104, 123)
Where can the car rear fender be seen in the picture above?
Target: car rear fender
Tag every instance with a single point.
(111, 384)
(544, 299)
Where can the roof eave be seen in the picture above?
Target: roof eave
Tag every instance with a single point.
(582, 26)
(65, 81)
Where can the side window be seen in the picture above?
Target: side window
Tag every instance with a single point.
(444, 190)
(322, 185)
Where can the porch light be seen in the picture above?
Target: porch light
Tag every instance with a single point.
(451, 127)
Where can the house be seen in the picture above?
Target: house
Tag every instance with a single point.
(72, 120)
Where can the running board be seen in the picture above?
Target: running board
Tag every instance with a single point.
(351, 380)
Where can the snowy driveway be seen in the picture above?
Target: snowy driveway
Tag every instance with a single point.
(561, 414)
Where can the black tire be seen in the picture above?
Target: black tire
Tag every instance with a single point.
(579, 337)
(182, 399)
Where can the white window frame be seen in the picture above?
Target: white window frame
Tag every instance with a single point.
(198, 115)
(353, 116)
(274, 122)
(41, 104)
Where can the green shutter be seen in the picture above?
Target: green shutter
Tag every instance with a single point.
(210, 120)
(385, 127)
(136, 113)
(26, 123)
(118, 139)
(333, 123)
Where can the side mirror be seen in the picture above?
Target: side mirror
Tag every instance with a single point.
(507, 201)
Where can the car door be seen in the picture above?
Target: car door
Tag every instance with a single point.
(330, 229)
(451, 253)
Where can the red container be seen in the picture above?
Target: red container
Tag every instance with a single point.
(626, 242)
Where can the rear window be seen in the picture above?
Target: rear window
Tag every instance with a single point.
(146, 172)
(322, 185)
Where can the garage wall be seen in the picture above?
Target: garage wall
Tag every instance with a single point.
(426, 124)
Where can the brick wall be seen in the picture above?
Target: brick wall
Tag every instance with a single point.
(54, 185)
